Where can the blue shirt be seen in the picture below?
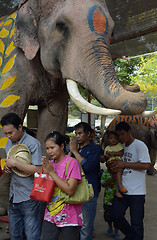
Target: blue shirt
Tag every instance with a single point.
(21, 187)
(91, 164)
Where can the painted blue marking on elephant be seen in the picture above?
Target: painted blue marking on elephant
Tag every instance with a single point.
(127, 103)
(136, 120)
(143, 120)
(116, 92)
(128, 119)
(147, 120)
(102, 54)
(126, 106)
(96, 12)
(90, 20)
(97, 44)
(116, 122)
(154, 117)
(136, 104)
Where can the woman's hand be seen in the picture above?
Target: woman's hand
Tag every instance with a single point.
(47, 165)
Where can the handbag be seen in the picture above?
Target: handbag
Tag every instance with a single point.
(43, 188)
(84, 191)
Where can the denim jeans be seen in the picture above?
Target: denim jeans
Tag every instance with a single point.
(25, 220)
(89, 213)
(135, 230)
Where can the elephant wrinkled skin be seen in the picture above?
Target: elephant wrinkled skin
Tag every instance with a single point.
(55, 40)
(46, 42)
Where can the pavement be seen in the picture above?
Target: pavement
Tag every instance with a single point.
(150, 220)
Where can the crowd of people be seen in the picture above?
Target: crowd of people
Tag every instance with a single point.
(123, 181)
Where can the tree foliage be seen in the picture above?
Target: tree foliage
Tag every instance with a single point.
(146, 76)
(141, 71)
(125, 69)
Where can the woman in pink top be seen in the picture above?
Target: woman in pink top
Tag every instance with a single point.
(61, 216)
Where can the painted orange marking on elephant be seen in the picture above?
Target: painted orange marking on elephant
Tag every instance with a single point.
(99, 21)
(147, 121)
(114, 91)
(105, 60)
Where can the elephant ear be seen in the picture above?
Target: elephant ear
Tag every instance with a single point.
(26, 36)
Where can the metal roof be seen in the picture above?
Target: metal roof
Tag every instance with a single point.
(135, 30)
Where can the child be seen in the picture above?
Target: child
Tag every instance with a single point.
(109, 183)
(60, 216)
(114, 151)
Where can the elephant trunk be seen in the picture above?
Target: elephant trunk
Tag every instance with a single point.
(101, 79)
(93, 69)
(113, 95)
(102, 82)
(83, 104)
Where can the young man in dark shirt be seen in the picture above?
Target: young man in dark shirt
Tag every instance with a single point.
(88, 154)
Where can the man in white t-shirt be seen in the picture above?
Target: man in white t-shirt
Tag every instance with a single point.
(136, 160)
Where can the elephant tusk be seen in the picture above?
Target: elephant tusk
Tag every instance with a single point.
(83, 104)
(148, 113)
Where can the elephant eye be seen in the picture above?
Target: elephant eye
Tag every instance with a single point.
(61, 26)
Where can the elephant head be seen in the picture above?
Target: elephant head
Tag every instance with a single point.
(56, 44)
(73, 38)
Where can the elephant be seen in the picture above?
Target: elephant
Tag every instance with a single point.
(144, 129)
(47, 47)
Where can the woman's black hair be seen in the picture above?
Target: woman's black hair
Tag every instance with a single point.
(58, 138)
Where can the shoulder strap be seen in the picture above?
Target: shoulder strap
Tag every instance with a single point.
(66, 168)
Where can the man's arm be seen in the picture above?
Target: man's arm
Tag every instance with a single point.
(74, 149)
(27, 168)
(133, 165)
(78, 156)
(137, 165)
(119, 153)
(93, 157)
(142, 156)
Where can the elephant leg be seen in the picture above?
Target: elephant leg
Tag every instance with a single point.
(4, 193)
(54, 119)
(47, 124)
(153, 155)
